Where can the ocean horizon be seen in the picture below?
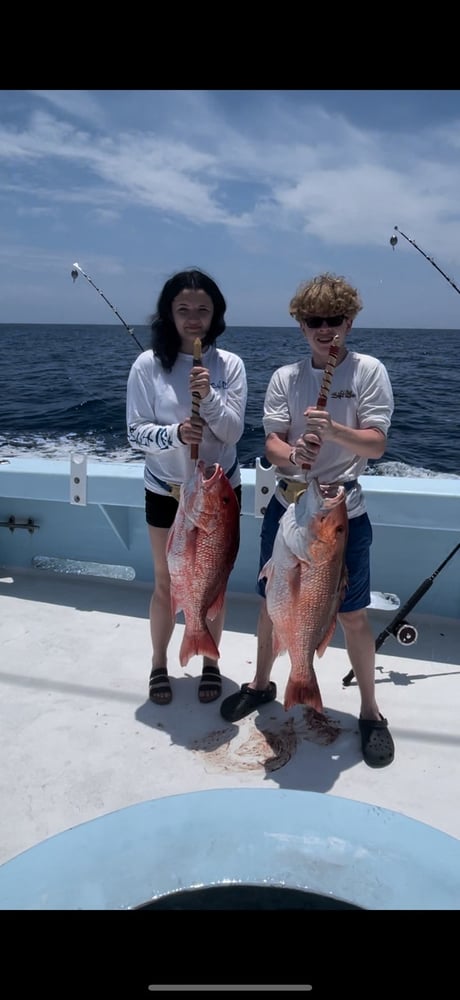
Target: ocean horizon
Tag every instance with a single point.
(65, 390)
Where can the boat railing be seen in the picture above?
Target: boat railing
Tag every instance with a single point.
(415, 522)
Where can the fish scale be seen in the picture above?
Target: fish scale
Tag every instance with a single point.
(202, 546)
(305, 583)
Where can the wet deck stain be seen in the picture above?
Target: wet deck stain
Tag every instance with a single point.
(270, 749)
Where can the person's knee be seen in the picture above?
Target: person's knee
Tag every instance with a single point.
(162, 587)
(354, 621)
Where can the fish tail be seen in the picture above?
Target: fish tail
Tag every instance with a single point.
(305, 692)
(198, 643)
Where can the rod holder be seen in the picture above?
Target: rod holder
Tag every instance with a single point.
(264, 488)
(78, 476)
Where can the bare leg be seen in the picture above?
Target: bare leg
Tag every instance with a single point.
(210, 686)
(360, 644)
(376, 741)
(265, 656)
(259, 691)
(161, 618)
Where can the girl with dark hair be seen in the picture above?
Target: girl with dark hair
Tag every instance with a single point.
(161, 424)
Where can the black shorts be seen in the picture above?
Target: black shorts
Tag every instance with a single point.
(160, 511)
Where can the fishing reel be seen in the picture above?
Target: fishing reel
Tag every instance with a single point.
(406, 634)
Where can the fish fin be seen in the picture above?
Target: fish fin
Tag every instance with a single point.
(266, 570)
(176, 605)
(322, 646)
(278, 647)
(200, 643)
(303, 693)
(216, 606)
(342, 587)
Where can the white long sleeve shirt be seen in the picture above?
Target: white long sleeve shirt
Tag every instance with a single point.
(158, 401)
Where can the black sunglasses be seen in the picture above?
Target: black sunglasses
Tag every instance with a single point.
(314, 322)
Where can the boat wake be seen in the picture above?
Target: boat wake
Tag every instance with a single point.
(98, 449)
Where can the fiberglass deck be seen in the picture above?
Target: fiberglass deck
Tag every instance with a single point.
(79, 738)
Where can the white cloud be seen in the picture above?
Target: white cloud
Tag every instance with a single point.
(249, 173)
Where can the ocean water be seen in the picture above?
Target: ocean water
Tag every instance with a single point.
(64, 391)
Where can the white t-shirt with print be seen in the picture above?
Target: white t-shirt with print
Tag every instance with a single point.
(360, 396)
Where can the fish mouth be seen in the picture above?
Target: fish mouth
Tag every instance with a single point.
(330, 494)
(209, 472)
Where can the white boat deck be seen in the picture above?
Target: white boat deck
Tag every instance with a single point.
(79, 737)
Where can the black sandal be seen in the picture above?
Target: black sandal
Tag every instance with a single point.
(160, 691)
(210, 686)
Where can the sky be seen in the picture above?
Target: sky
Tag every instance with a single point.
(262, 189)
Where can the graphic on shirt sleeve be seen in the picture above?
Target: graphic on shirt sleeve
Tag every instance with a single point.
(161, 437)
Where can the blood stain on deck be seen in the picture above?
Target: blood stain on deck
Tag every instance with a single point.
(269, 748)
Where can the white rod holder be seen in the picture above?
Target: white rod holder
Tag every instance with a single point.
(78, 480)
(265, 487)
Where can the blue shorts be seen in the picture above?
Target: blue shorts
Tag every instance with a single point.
(358, 592)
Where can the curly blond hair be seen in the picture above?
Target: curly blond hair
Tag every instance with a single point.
(325, 295)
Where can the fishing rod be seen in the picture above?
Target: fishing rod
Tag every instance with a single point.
(393, 242)
(76, 270)
(325, 386)
(405, 633)
(195, 395)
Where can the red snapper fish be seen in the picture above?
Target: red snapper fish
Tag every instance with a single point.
(202, 546)
(306, 582)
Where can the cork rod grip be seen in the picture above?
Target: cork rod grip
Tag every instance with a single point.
(195, 395)
(327, 379)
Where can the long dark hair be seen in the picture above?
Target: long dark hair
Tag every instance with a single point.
(165, 338)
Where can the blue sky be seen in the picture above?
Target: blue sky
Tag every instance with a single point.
(262, 189)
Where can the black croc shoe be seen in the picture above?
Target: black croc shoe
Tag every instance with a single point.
(245, 701)
(376, 742)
